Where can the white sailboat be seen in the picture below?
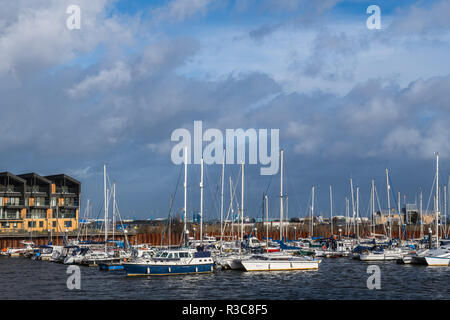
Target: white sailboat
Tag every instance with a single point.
(440, 255)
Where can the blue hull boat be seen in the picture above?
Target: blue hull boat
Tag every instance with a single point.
(146, 269)
(172, 262)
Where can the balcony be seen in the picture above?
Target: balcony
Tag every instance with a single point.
(66, 190)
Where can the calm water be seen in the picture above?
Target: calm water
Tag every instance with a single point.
(22, 278)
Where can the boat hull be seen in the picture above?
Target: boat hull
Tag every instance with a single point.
(279, 265)
(438, 261)
(152, 269)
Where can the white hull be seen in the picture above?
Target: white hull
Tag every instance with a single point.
(438, 261)
(380, 256)
(255, 265)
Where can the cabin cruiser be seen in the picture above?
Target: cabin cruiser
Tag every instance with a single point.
(28, 247)
(381, 254)
(45, 252)
(279, 261)
(172, 262)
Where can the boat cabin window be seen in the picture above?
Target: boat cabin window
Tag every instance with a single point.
(163, 255)
(175, 255)
(184, 254)
(170, 256)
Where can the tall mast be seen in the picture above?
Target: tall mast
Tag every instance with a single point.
(331, 209)
(421, 215)
(221, 201)
(185, 197)
(353, 206)
(388, 187)
(399, 215)
(281, 195)
(373, 206)
(231, 207)
(242, 204)
(106, 204)
(201, 201)
(312, 212)
(267, 220)
(114, 209)
(357, 212)
(437, 199)
(347, 213)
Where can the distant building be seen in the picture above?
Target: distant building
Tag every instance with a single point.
(31, 202)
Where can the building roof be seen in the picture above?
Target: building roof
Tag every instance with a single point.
(63, 176)
(12, 176)
(35, 176)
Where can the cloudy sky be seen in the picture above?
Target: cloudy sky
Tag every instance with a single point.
(348, 101)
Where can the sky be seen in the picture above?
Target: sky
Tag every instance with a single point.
(348, 101)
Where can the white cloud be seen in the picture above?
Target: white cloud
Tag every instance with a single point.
(108, 79)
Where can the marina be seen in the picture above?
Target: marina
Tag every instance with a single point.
(335, 279)
(228, 255)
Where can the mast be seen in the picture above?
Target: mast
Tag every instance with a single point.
(399, 215)
(221, 201)
(347, 213)
(267, 220)
(312, 213)
(201, 201)
(421, 215)
(357, 212)
(106, 203)
(331, 209)
(114, 209)
(281, 195)
(373, 206)
(232, 210)
(437, 199)
(353, 206)
(185, 197)
(242, 204)
(388, 187)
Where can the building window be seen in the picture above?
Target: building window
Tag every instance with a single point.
(40, 201)
(12, 214)
(41, 224)
(67, 224)
(37, 214)
(54, 224)
(53, 202)
(31, 224)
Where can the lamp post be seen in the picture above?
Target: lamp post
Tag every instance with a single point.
(295, 233)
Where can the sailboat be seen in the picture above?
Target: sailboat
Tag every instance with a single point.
(278, 261)
(440, 255)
